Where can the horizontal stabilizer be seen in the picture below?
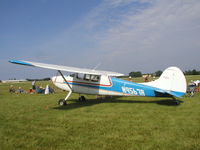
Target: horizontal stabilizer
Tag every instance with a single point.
(176, 94)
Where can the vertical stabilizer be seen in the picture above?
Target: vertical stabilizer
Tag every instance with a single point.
(172, 81)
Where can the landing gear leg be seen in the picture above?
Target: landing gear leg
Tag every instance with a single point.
(63, 102)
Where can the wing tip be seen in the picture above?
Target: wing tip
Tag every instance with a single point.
(19, 62)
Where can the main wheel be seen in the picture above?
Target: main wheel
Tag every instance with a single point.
(82, 99)
(62, 102)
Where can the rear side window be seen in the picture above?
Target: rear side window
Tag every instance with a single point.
(95, 78)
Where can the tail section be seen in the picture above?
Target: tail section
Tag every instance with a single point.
(172, 81)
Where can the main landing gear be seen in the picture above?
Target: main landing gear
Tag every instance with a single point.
(63, 102)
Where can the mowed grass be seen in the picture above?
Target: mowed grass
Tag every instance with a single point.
(36, 122)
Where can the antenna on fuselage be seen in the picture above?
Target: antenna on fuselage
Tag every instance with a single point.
(96, 66)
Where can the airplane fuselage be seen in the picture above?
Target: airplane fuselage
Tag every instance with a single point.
(105, 85)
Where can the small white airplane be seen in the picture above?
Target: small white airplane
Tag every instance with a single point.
(172, 82)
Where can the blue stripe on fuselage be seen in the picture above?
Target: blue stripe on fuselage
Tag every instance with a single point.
(131, 88)
(136, 89)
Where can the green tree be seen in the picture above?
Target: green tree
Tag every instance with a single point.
(192, 72)
(158, 73)
(135, 74)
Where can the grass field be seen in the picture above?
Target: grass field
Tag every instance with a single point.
(33, 122)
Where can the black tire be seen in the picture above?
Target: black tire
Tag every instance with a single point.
(82, 99)
(79, 99)
(62, 102)
(177, 102)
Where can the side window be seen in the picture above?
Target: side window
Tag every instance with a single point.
(87, 77)
(80, 76)
(95, 78)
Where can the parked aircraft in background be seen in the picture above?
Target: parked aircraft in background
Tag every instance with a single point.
(172, 82)
(13, 81)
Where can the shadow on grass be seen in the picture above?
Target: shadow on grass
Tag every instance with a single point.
(77, 104)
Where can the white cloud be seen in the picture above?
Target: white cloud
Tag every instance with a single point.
(127, 35)
(164, 33)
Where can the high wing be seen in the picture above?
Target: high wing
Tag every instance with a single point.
(65, 68)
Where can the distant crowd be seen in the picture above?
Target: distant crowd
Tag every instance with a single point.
(147, 78)
(193, 87)
(33, 89)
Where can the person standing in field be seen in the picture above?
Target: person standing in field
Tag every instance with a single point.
(33, 85)
(146, 78)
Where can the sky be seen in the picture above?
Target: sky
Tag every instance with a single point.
(115, 35)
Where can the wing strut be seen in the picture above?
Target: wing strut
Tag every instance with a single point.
(64, 79)
(63, 101)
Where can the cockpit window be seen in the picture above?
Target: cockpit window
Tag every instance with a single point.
(73, 75)
(80, 76)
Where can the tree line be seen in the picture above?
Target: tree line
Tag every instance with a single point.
(192, 72)
(159, 72)
(139, 73)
